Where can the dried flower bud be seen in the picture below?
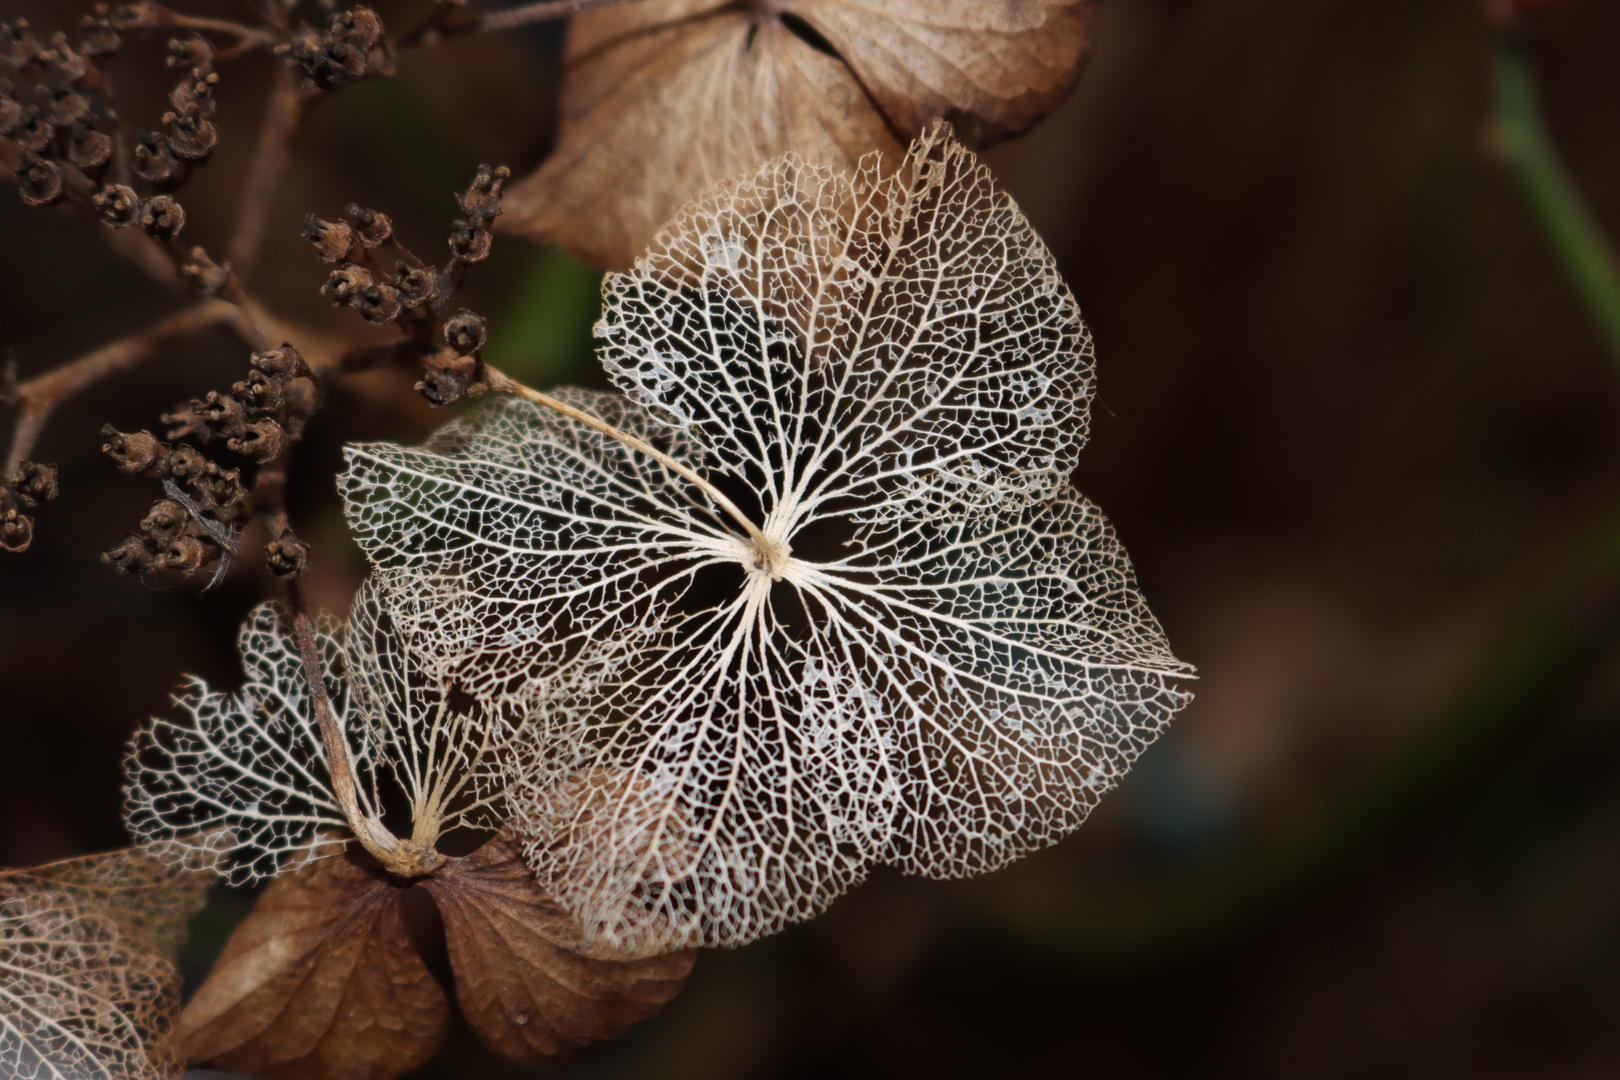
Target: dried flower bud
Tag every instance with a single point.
(379, 303)
(261, 441)
(326, 62)
(358, 26)
(89, 148)
(374, 227)
(34, 132)
(260, 392)
(283, 363)
(442, 386)
(97, 35)
(215, 416)
(220, 492)
(483, 198)
(153, 162)
(417, 288)
(162, 217)
(16, 530)
(165, 521)
(287, 555)
(191, 135)
(195, 94)
(346, 284)
(466, 332)
(189, 53)
(62, 62)
(187, 555)
(18, 43)
(118, 206)
(66, 103)
(133, 555)
(39, 182)
(35, 483)
(184, 464)
(469, 243)
(332, 239)
(133, 453)
(211, 277)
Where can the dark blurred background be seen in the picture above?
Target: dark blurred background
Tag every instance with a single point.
(1356, 433)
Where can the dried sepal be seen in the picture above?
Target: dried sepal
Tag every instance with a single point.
(88, 981)
(666, 97)
(891, 357)
(528, 980)
(320, 982)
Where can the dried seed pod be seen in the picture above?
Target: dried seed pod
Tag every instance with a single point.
(18, 43)
(374, 227)
(326, 62)
(465, 332)
(66, 103)
(283, 363)
(133, 453)
(89, 148)
(118, 206)
(184, 464)
(16, 530)
(332, 239)
(11, 111)
(98, 36)
(153, 162)
(469, 243)
(379, 303)
(35, 483)
(260, 392)
(358, 26)
(162, 217)
(62, 62)
(221, 493)
(187, 554)
(417, 288)
(165, 521)
(39, 181)
(34, 131)
(346, 284)
(262, 441)
(195, 94)
(132, 555)
(188, 54)
(211, 277)
(442, 386)
(191, 135)
(287, 555)
(482, 200)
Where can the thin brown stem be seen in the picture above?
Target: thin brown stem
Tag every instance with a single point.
(405, 858)
(40, 395)
(246, 36)
(282, 113)
(771, 553)
(545, 11)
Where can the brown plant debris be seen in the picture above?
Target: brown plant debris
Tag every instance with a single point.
(665, 97)
(322, 981)
(88, 981)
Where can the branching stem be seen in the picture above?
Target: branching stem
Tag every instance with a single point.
(40, 395)
(772, 554)
(281, 116)
(544, 11)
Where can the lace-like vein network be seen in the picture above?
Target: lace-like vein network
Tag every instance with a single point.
(891, 362)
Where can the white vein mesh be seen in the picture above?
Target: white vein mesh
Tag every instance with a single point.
(248, 766)
(906, 341)
(65, 975)
(251, 766)
(953, 690)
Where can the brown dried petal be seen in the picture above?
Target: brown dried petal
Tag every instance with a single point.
(321, 982)
(525, 978)
(666, 97)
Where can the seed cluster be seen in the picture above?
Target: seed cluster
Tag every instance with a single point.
(415, 295)
(32, 484)
(196, 525)
(352, 47)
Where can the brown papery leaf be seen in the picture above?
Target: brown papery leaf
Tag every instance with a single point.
(88, 981)
(525, 977)
(321, 982)
(663, 98)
